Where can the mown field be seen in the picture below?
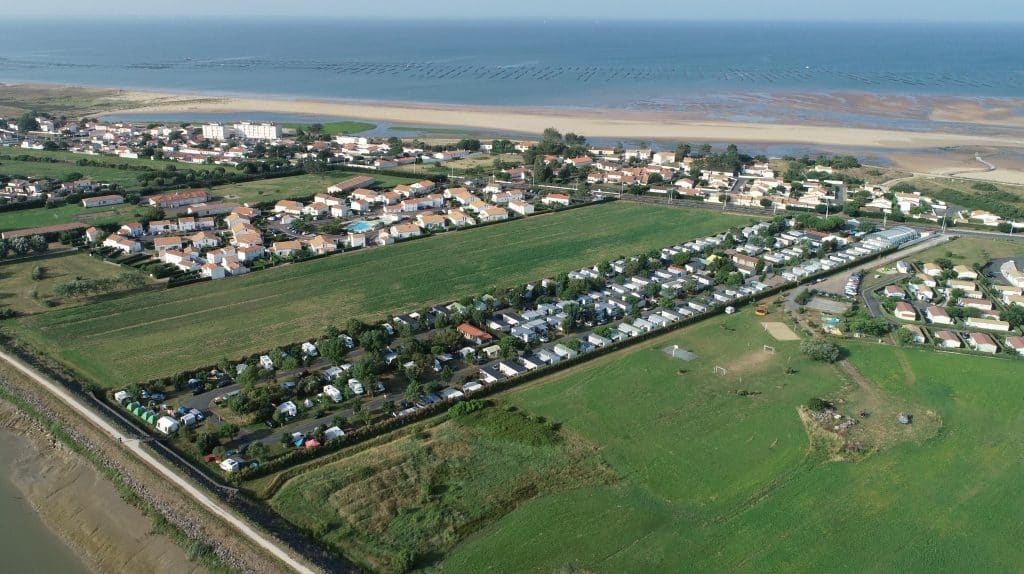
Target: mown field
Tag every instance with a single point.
(717, 482)
(405, 503)
(971, 250)
(23, 293)
(154, 334)
(68, 213)
(67, 163)
(296, 186)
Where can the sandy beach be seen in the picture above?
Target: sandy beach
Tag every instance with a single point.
(625, 124)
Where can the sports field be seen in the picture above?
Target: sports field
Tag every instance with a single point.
(42, 216)
(715, 481)
(160, 333)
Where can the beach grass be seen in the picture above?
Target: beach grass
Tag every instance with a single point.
(187, 327)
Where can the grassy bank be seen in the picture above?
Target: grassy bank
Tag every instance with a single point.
(182, 328)
(405, 503)
(336, 128)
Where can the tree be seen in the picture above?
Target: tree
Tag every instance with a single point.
(228, 431)
(1014, 315)
(820, 350)
(413, 392)
(816, 404)
(904, 337)
(206, 442)
(447, 374)
(28, 123)
(682, 150)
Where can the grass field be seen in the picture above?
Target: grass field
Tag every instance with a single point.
(296, 186)
(971, 250)
(336, 128)
(433, 131)
(407, 502)
(68, 213)
(20, 292)
(191, 326)
(718, 482)
(67, 164)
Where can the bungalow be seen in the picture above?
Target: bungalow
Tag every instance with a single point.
(970, 302)
(351, 184)
(251, 253)
(922, 292)
(179, 199)
(101, 200)
(316, 209)
(285, 248)
(356, 240)
(982, 343)
(162, 244)
(489, 375)
(321, 245)
(987, 324)
(473, 334)
(556, 199)
(520, 207)
(493, 214)
(916, 333)
(431, 221)
(213, 271)
(965, 272)
(936, 314)
(405, 231)
(905, 311)
(949, 340)
(123, 243)
(204, 240)
(1016, 343)
(288, 206)
(510, 369)
(894, 292)
(548, 356)
(458, 218)
(932, 269)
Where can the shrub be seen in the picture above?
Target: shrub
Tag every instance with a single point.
(820, 350)
(816, 404)
(467, 407)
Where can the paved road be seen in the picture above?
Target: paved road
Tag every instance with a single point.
(135, 447)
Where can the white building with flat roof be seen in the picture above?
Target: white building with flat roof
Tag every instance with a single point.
(260, 131)
(217, 132)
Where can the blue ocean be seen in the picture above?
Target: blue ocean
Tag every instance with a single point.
(657, 66)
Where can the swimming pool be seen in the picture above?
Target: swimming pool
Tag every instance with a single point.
(360, 227)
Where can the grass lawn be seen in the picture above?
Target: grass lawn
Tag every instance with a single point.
(971, 250)
(714, 481)
(297, 186)
(408, 501)
(336, 128)
(67, 163)
(67, 213)
(19, 291)
(191, 326)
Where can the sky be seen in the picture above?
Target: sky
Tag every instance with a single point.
(1005, 11)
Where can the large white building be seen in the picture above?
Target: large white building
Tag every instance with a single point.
(217, 132)
(261, 131)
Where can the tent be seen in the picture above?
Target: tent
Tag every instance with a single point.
(312, 443)
(149, 417)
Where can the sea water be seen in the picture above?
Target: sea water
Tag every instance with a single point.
(663, 66)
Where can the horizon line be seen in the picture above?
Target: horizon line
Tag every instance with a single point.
(517, 19)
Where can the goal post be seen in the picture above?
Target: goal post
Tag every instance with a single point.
(769, 349)
(720, 370)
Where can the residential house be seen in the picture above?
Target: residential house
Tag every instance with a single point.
(405, 231)
(213, 271)
(493, 213)
(93, 234)
(288, 206)
(164, 243)
(520, 207)
(556, 199)
(905, 311)
(936, 314)
(473, 334)
(123, 243)
(321, 245)
(102, 200)
(987, 324)
(949, 340)
(916, 333)
(1016, 343)
(133, 229)
(982, 343)
(203, 240)
(431, 221)
(285, 248)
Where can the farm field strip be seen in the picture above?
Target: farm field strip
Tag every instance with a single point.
(190, 326)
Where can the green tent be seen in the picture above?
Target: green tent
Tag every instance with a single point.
(133, 405)
(137, 411)
(150, 418)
